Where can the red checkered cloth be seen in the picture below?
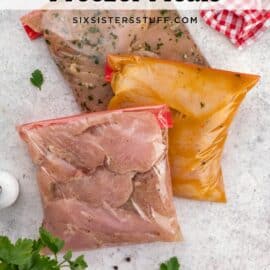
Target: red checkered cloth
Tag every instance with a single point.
(242, 27)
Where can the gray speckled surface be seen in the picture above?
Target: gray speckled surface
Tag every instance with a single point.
(232, 236)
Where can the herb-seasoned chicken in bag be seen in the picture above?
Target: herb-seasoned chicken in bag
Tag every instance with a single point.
(79, 48)
(104, 177)
(203, 101)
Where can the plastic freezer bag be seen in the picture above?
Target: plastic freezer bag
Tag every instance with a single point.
(80, 49)
(203, 101)
(104, 177)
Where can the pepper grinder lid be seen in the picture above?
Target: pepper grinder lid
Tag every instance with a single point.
(9, 189)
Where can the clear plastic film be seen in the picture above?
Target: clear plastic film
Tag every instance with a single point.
(104, 177)
(79, 48)
(203, 102)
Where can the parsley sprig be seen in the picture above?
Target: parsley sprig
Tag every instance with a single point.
(26, 254)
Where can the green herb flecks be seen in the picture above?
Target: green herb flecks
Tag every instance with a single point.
(79, 44)
(178, 34)
(86, 41)
(134, 39)
(95, 59)
(159, 45)
(114, 36)
(147, 46)
(37, 79)
(202, 104)
(55, 15)
(93, 30)
(114, 44)
(163, 12)
(47, 41)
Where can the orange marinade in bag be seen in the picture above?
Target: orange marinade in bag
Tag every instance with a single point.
(203, 101)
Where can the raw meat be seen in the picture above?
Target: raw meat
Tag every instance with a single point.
(103, 186)
(203, 102)
(80, 49)
(104, 177)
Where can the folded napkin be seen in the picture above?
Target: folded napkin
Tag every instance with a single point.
(242, 26)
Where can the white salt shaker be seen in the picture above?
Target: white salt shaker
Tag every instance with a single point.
(9, 189)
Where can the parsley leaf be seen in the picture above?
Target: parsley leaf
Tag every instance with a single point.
(18, 254)
(26, 254)
(5, 248)
(21, 252)
(78, 264)
(68, 255)
(37, 79)
(171, 264)
(53, 243)
(43, 263)
(37, 245)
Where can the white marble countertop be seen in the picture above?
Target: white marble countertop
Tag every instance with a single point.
(228, 236)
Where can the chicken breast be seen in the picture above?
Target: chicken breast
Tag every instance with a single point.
(101, 187)
(104, 177)
(101, 227)
(150, 142)
(80, 49)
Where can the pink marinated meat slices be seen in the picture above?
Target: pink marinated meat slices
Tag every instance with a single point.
(104, 177)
